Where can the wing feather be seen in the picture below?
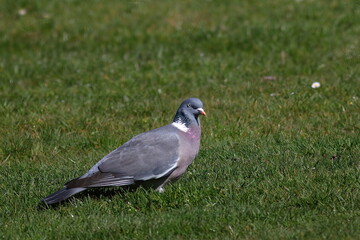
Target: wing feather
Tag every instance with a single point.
(151, 155)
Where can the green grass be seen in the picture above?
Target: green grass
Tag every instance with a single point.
(278, 159)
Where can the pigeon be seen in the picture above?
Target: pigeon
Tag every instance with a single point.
(150, 159)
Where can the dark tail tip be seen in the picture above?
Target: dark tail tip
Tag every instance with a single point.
(61, 195)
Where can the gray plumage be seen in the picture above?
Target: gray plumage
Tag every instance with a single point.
(150, 159)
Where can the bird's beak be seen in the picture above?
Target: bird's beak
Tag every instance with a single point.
(201, 111)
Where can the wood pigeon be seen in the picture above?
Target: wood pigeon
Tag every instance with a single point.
(150, 159)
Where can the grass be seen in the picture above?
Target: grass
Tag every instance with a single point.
(278, 159)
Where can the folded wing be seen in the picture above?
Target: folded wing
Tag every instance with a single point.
(150, 155)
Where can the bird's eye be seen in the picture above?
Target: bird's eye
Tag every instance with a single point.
(189, 105)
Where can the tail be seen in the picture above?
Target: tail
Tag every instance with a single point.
(61, 195)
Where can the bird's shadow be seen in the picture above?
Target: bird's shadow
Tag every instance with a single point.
(94, 193)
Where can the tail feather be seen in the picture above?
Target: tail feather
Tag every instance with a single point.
(62, 195)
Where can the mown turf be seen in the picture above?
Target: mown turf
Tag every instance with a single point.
(278, 158)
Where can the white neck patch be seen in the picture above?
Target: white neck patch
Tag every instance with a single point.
(181, 126)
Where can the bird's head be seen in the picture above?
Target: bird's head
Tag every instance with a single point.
(189, 111)
(193, 106)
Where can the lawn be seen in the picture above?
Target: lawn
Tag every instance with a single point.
(278, 159)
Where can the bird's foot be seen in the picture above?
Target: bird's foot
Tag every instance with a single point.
(160, 189)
